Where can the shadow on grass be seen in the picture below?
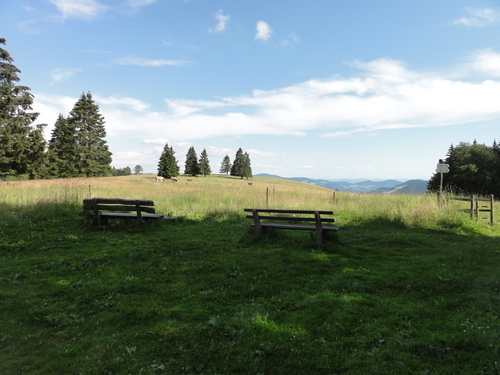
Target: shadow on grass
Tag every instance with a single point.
(207, 296)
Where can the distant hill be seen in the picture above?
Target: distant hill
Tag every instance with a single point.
(408, 187)
(366, 187)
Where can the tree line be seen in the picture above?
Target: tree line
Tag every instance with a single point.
(473, 169)
(76, 148)
(168, 166)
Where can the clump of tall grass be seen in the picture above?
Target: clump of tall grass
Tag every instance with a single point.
(224, 195)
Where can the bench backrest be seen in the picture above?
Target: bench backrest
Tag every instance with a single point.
(279, 214)
(119, 204)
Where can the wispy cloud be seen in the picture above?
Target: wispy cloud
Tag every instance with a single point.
(139, 3)
(383, 94)
(479, 17)
(129, 103)
(86, 9)
(62, 74)
(149, 62)
(221, 24)
(487, 62)
(264, 31)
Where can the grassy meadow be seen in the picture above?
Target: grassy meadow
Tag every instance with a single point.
(405, 287)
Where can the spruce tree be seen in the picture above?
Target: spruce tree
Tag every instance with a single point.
(238, 165)
(247, 167)
(95, 157)
(191, 166)
(204, 164)
(167, 165)
(225, 166)
(63, 157)
(20, 142)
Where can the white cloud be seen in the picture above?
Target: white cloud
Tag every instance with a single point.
(62, 74)
(264, 31)
(221, 24)
(479, 17)
(487, 62)
(140, 3)
(149, 62)
(383, 94)
(157, 141)
(134, 104)
(86, 9)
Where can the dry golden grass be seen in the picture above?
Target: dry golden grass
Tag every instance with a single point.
(222, 194)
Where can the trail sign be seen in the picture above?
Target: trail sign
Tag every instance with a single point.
(442, 168)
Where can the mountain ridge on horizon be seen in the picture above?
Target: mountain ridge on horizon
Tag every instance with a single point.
(415, 186)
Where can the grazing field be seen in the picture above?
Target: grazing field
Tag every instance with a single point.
(406, 286)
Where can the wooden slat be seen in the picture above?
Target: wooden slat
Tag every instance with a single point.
(123, 215)
(124, 201)
(297, 227)
(279, 211)
(107, 207)
(293, 218)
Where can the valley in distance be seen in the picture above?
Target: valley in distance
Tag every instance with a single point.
(363, 186)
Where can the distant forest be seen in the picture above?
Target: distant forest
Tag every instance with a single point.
(473, 169)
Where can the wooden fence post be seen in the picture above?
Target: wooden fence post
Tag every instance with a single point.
(492, 214)
(267, 197)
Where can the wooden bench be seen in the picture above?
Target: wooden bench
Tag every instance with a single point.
(127, 209)
(281, 219)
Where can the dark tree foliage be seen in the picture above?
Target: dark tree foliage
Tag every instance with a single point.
(225, 166)
(167, 166)
(20, 142)
(121, 171)
(241, 165)
(204, 164)
(62, 155)
(191, 166)
(238, 164)
(95, 157)
(247, 166)
(473, 169)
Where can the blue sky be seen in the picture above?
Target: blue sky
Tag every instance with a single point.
(318, 88)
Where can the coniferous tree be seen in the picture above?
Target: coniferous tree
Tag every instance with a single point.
(473, 169)
(95, 157)
(204, 164)
(225, 166)
(167, 166)
(238, 163)
(247, 167)
(191, 166)
(20, 142)
(63, 156)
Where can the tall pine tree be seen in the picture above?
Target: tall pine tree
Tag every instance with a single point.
(204, 164)
(167, 165)
(63, 156)
(20, 142)
(95, 157)
(239, 167)
(225, 166)
(191, 166)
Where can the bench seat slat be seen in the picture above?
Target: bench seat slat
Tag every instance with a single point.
(281, 211)
(293, 218)
(296, 227)
(124, 215)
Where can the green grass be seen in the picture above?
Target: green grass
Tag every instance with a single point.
(403, 288)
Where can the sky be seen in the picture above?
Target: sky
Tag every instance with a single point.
(324, 89)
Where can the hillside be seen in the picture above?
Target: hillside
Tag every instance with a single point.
(365, 187)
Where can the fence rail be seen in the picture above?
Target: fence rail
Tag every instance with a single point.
(476, 207)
